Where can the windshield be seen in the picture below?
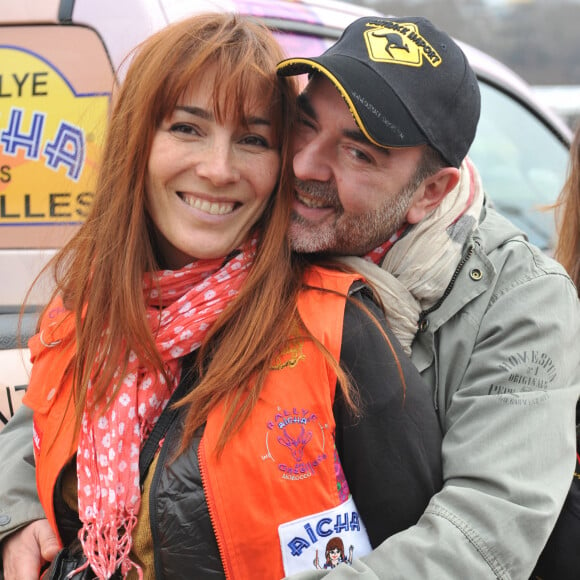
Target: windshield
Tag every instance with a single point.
(522, 163)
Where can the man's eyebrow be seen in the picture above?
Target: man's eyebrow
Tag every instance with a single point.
(305, 105)
(357, 135)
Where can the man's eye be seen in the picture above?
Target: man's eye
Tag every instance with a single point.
(305, 122)
(360, 155)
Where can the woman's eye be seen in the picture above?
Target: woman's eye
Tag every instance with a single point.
(183, 129)
(255, 141)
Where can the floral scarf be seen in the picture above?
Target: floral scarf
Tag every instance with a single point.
(109, 444)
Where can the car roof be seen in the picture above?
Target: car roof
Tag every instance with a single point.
(136, 19)
(497, 74)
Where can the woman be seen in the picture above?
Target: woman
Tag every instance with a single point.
(567, 250)
(560, 559)
(181, 283)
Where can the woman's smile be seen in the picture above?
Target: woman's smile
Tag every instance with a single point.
(208, 206)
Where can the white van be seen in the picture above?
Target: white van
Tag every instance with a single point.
(57, 70)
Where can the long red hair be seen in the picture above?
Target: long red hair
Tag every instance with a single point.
(567, 250)
(99, 273)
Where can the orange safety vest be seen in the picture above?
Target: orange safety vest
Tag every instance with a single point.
(274, 494)
(50, 396)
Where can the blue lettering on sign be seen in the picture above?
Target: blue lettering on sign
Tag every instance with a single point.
(67, 149)
(348, 521)
(310, 533)
(14, 138)
(355, 521)
(341, 525)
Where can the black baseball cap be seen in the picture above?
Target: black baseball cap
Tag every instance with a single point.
(406, 83)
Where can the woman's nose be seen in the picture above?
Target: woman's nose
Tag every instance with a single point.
(218, 165)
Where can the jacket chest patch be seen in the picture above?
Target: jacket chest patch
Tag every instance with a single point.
(324, 540)
(297, 442)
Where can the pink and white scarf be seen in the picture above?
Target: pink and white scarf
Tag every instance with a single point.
(109, 445)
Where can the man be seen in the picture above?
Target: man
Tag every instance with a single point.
(493, 325)
(387, 118)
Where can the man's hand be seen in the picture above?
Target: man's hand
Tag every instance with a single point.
(24, 552)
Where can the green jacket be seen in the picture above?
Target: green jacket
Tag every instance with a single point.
(501, 353)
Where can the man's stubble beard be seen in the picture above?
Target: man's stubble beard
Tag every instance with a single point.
(349, 235)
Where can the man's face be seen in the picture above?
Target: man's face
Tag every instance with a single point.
(351, 196)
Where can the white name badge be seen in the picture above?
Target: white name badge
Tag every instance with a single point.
(324, 540)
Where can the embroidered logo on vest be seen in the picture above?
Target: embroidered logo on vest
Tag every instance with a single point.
(295, 441)
(289, 357)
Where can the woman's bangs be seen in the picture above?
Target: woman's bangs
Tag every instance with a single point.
(241, 92)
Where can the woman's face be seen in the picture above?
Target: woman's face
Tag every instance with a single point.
(208, 183)
(334, 554)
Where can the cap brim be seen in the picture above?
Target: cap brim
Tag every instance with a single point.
(378, 111)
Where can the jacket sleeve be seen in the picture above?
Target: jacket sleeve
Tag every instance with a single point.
(509, 424)
(391, 452)
(19, 503)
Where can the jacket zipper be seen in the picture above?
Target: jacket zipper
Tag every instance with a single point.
(437, 304)
(212, 510)
(153, 508)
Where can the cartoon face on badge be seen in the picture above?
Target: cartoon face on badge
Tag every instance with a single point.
(334, 554)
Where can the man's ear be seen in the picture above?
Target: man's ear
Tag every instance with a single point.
(431, 193)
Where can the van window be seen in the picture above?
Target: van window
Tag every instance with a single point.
(521, 161)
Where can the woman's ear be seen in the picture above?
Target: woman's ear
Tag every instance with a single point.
(431, 193)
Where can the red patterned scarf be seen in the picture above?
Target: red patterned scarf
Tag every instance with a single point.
(377, 255)
(109, 445)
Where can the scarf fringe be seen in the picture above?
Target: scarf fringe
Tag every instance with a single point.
(107, 550)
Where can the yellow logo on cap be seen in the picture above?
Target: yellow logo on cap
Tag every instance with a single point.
(400, 43)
